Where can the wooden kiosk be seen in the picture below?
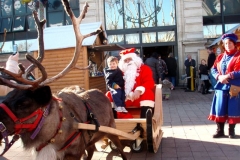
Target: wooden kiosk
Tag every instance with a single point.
(60, 44)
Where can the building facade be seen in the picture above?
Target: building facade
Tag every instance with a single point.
(180, 27)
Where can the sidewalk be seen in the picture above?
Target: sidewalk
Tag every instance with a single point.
(187, 134)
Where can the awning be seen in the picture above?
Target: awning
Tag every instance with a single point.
(109, 47)
(219, 38)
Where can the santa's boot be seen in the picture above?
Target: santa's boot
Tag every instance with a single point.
(231, 131)
(144, 110)
(220, 130)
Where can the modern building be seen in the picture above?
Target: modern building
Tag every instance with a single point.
(180, 27)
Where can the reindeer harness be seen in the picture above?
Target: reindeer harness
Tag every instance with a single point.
(37, 125)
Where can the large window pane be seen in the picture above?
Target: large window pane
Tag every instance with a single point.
(22, 45)
(19, 8)
(55, 19)
(7, 7)
(19, 23)
(30, 43)
(7, 47)
(165, 12)
(54, 5)
(231, 7)
(132, 39)
(31, 26)
(166, 36)
(212, 31)
(149, 37)
(6, 23)
(230, 26)
(131, 11)
(119, 39)
(113, 14)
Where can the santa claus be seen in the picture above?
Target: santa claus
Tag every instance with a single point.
(139, 83)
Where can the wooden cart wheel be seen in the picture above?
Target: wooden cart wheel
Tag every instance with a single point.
(136, 149)
(149, 131)
(113, 146)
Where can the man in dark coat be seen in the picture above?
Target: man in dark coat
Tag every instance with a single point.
(210, 62)
(189, 62)
(154, 64)
(172, 68)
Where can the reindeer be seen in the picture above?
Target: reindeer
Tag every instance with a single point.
(44, 121)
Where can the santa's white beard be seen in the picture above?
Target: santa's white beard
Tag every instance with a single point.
(130, 74)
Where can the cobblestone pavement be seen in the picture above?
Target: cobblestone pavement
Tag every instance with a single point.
(187, 134)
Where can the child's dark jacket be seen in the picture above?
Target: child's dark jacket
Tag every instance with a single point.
(113, 76)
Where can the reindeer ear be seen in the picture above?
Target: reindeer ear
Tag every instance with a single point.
(43, 95)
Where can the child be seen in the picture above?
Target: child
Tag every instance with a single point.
(167, 86)
(114, 80)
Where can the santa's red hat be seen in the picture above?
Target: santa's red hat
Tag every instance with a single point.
(128, 53)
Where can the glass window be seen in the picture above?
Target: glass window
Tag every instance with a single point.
(55, 19)
(30, 43)
(114, 15)
(231, 7)
(19, 8)
(147, 12)
(6, 23)
(165, 13)
(166, 36)
(149, 37)
(132, 39)
(54, 5)
(22, 45)
(31, 26)
(19, 23)
(74, 3)
(131, 12)
(68, 20)
(212, 31)
(230, 26)
(7, 47)
(7, 8)
(119, 39)
(31, 6)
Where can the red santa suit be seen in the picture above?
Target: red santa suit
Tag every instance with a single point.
(142, 80)
(145, 83)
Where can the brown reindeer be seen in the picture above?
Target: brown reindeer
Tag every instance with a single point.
(45, 121)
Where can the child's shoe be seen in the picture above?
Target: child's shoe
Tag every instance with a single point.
(124, 109)
(118, 109)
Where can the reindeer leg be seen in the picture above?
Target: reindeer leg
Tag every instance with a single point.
(90, 146)
(118, 144)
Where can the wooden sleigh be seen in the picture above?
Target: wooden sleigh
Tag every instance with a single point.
(137, 129)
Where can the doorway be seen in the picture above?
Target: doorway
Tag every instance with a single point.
(163, 51)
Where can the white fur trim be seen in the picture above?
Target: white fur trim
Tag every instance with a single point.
(129, 55)
(148, 103)
(113, 104)
(141, 88)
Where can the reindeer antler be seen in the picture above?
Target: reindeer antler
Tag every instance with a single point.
(76, 21)
(40, 57)
(23, 83)
(4, 39)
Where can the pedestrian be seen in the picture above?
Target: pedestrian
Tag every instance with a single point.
(189, 62)
(210, 62)
(171, 63)
(226, 70)
(163, 67)
(154, 64)
(203, 73)
(114, 80)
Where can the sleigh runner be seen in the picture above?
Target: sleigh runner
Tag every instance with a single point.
(137, 129)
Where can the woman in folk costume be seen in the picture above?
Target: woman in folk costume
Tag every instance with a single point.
(139, 83)
(226, 70)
